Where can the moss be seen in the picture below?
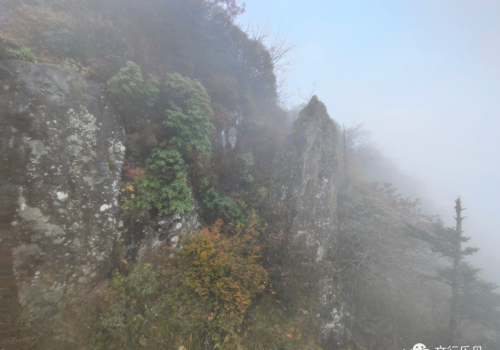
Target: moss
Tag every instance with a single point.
(22, 53)
(111, 165)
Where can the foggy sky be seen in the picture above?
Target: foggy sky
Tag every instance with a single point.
(424, 77)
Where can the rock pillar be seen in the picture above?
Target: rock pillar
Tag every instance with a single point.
(303, 177)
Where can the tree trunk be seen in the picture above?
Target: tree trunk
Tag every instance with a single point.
(345, 161)
(456, 274)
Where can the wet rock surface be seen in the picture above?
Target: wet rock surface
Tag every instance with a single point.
(61, 151)
(303, 175)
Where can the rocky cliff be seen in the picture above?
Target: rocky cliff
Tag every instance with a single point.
(62, 151)
(303, 177)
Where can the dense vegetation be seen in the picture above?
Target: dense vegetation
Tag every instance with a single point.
(180, 72)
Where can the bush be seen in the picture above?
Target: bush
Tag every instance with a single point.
(187, 105)
(245, 164)
(220, 205)
(190, 126)
(179, 89)
(130, 90)
(164, 187)
(21, 53)
(196, 295)
(188, 113)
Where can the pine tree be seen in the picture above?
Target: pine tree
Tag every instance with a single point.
(448, 241)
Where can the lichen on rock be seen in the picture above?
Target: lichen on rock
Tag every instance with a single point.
(58, 140)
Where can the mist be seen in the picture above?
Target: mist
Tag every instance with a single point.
(214, 174)
(423, 79)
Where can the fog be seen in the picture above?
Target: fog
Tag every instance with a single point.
(423, 78)
(156, 195)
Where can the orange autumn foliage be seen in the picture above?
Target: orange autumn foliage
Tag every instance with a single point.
(202, 291)
(221, 271)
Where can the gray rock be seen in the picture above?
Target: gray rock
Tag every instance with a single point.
(303, 177)
(303, 181)
(169, 230)
(58, 137)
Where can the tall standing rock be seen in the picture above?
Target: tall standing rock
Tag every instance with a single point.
(61, 150)
(304, 171)
(303, 177)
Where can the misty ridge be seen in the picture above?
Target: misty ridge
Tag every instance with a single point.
(158, 190)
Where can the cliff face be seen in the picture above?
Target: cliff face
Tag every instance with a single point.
(62, 151)
(303, 177)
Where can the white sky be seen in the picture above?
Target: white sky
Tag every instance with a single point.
(424, 77)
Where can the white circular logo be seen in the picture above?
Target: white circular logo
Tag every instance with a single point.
(419, 346)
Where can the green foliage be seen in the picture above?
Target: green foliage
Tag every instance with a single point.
(179, 90)
(188, 113)
(442, 239)
(132, 306)
(164, 187)
(220, 205)
(129, 88)
(22, 53)
(245, 164)
(186, 102)
(272, 326)
(479, 303)
(190, 126)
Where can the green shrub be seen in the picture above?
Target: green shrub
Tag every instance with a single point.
(188, 113)
(22, 53)
(220, 205)
(185, 101)
(191, 126)
(129, 88)
(245, 164)
(179, 89)
(164, 187)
